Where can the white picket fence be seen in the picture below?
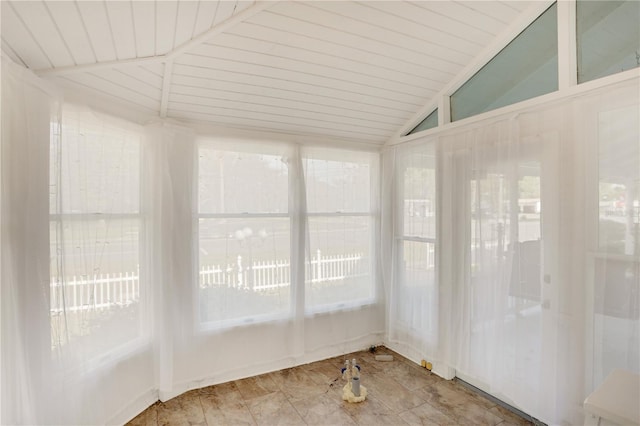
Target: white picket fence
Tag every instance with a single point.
(264, 275)
(97, 292)
(103, 291)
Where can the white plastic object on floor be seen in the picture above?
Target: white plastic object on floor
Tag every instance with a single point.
(384, 357)
(615, 401)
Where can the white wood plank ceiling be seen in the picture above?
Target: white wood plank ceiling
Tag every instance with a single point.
(344, 69)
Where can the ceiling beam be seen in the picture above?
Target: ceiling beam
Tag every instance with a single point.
(252, 10)
(74, 69)
(257, 7)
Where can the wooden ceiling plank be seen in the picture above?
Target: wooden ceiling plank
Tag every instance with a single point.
(193, 76)
(261, 104)
(97, 25)
(72, 29)
(16, 35)
(378, 96)
(391, 39)
(206, 14)
(121, 22)
(186, 19)
(205, 54)
(220, 28)
(129, 82)
(144, 23)
(351, 42)
(40, 24)
(175, 110)
(105, 86)
(368, 14)
(344, 54)
(166, 14)
(271, 95)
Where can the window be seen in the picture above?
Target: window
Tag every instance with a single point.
(619, 181)
(341, 210)
(244, 233)
(95, 232)
(608, 36)
(615, 262)
(527, 67)
(429, 122)
(415, 307)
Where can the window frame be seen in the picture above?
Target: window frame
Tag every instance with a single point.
(254, 319)
(372, 214)
(140, 342)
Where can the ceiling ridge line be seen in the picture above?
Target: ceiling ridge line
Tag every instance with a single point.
(257, 7)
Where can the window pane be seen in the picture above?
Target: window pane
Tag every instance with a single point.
(225, 178)
(95, 286)
(95, 250)
(428, 123)
(608, 34)
(527, 67)
(95, 169)
(339, 266)
(619, 180)
(420, 194)
(338, 181)
(616, 316)
(417, 293)
(244, 268)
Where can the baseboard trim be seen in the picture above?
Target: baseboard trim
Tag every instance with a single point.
(136, 407)
(500, 402)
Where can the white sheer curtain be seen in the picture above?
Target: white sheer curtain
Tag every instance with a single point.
(610, 136)
(30, 109)
(141, 262)
(538, 282)
(497, 253)
(229, 220)
(99, 295)
(413, 303)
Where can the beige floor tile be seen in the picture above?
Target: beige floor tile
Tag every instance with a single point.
(392, 393)
(274, 409)
(455, 402)
(400, 393)
(255, 387)
(223, 405)
(412, 377)
(296, 383)
(509, 417)
(182, 410)
(323, 410)
(426, 414)
(148, 417)
(372, 412)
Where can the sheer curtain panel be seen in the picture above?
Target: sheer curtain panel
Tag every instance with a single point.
(536, 289)
(30, 111)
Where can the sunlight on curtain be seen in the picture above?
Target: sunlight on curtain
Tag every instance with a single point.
(414, 306)
(29, 110)
(95, 236)
(244, 249)
(539, 286)
(340, 218)
(499, 293)
(613, 259)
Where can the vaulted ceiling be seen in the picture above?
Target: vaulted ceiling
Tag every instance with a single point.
(345, 69)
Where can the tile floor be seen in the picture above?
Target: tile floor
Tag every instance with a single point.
(399, 393)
